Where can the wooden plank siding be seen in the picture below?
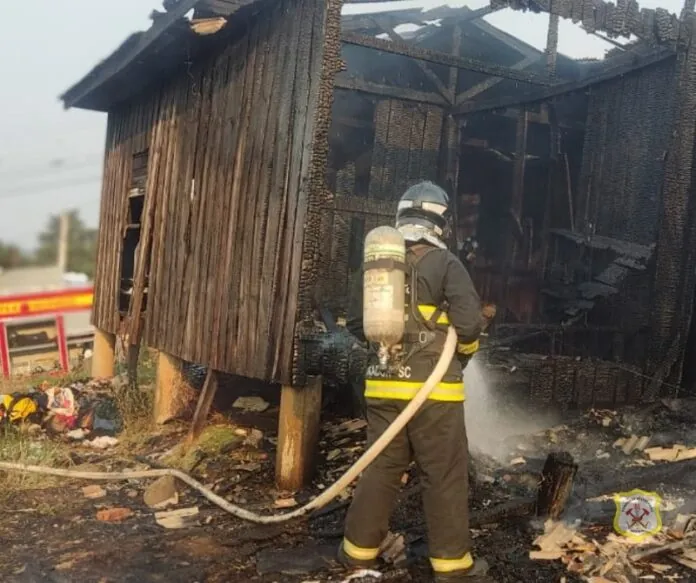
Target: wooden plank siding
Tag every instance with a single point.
(233, 143)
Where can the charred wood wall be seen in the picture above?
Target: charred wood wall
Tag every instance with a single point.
(602, 273)
(232, 184)
(629, 122)
(405, 149)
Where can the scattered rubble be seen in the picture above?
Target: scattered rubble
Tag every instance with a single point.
(296, 561)
(162, 493)
(114, 514)
(618, 557)
(251, 404)
(285, 503)
(93, 492)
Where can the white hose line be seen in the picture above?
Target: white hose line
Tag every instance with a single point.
(320, 501)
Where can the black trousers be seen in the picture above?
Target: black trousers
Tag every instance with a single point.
(436, 439)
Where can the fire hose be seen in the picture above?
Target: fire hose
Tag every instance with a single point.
(319, 502)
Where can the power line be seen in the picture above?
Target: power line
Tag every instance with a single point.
(37, 189)
(49, 171)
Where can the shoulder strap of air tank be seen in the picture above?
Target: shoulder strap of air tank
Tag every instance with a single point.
(416, 252)
(413, 256)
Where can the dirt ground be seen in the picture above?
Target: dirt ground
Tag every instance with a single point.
(50, 531)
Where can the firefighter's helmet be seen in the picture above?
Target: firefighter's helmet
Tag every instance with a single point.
(425, 205)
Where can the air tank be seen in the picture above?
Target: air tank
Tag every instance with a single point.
(384, 289)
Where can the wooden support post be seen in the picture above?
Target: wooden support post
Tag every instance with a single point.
(205, 401)
(298, 434)
(173, 392)
(517, 203)
(450, 143)
(132, 363)
(556, 485)
(103, 357)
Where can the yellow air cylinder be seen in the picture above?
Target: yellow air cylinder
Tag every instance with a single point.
(384, 288)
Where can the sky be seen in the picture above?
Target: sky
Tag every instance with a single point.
(50, 159)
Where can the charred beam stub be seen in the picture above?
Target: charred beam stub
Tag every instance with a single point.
(406, 50)
(357, 84)
(556, 485)
(552, 43)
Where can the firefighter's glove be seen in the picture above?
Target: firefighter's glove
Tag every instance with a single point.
(466, 351)
(488, 313)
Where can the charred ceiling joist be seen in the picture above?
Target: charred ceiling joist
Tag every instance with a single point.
(557, 90)
(401, 48)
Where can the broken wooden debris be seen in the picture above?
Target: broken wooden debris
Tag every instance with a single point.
(618, 557)
(393, 549)
(671, 454)
(205, 402)
(174, 519)
(556, 484)
(629, 445)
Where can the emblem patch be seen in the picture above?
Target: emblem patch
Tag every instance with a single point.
(637, 514)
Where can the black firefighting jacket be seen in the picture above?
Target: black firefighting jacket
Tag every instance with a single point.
(445, 295)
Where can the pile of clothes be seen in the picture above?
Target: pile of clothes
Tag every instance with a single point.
(56, 409)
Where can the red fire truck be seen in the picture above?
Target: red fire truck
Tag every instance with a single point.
(33, 329)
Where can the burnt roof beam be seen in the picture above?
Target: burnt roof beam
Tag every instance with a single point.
(365, 22)
(439, 58)
(392, 91)
(427, 71)
(93, 81)
(569, 87)
(491, 82)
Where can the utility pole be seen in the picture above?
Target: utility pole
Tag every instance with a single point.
(63, 233)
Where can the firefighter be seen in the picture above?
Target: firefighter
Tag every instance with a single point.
(439, 292)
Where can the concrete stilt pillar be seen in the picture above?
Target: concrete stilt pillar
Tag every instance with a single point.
(173, 392)
(103, 357)
(298, 434)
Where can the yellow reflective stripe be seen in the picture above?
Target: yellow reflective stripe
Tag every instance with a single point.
(406, 390)
(468, 349)
(450, 565)
(428, 311)
(359, 553)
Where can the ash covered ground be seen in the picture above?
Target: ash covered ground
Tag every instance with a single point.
(58, 531)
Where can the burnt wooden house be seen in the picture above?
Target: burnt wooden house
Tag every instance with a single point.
(252, 144)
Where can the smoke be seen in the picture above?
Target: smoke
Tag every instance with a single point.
(492, 417)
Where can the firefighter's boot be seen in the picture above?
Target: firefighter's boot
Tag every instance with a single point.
(478, 569)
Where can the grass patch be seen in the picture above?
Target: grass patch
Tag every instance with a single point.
(19, 447)
(134, 403)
